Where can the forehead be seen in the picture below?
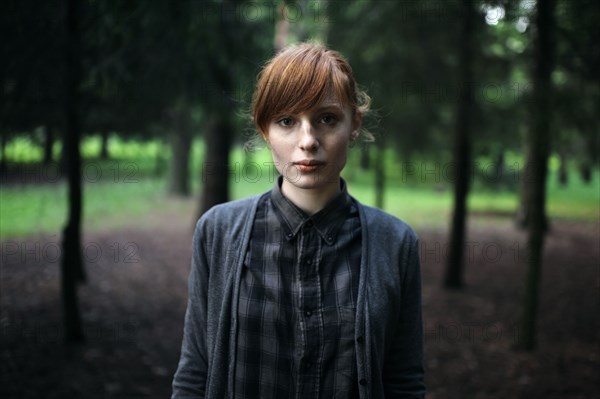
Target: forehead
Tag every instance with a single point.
(330, 100)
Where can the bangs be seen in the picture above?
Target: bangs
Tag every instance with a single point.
(298, 79)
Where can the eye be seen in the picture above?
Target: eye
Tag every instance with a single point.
(286, 121)
(328, 119)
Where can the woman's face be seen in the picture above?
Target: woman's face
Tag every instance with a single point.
(310, 149)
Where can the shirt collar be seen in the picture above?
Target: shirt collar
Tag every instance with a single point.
(327, 221)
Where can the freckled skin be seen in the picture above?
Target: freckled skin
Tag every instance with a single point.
(321, 136)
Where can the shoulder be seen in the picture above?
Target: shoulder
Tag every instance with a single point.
(384, 226)
(232, 208)
(228, 216)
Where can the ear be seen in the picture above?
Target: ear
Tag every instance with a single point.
(357, 124)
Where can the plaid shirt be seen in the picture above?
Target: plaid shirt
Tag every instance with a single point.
(297, 301)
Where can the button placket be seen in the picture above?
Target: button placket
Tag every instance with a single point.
(309, 306)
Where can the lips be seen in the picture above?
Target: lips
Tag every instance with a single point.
(308, 165)
(309, 162)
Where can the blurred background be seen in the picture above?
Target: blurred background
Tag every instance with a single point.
(121, 122)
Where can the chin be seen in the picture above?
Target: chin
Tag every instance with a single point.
(312, 182)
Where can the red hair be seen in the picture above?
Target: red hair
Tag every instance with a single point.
(300, 77)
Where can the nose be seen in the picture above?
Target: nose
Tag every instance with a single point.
(308, 139)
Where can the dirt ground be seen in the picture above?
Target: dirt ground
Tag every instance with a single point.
(134, 300)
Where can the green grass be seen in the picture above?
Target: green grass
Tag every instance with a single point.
(131, 187)
(31, 209)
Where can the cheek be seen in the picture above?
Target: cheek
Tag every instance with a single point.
(280, 154)
(342, 157)
(278, 163)
(341, 149)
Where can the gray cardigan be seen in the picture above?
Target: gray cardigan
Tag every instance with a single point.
(388, 329)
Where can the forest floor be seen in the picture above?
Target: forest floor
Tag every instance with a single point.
(135, 296)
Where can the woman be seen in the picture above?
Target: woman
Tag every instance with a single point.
(303, 292)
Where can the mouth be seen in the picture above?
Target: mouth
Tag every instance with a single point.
(308, 165)
(309, 162)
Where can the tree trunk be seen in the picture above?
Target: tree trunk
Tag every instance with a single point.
(364, 157)
(48, 144)
(585, 170)
(72, 262)
(499, 169)
(181, 143)
(462, 154)
(537, 156)
(215, 168)
(563, 176)
(379, 170)
(219, 135)
(104, 145)
(523, 214)
(522, 217)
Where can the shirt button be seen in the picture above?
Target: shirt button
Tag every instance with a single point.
(308, 262)
(362, 381)
(309, 223)
(308, 313)
(290, 235)
(360, 340)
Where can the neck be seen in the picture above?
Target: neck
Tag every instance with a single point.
(310, 201)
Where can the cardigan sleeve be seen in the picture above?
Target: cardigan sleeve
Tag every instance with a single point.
(190, 378)
(403, 372)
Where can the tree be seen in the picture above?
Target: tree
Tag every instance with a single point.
(32, 68)
(537, 158)
(576, 82)
(215, 176)
(404, 66)
(231, 41)
(181, 142)
(462, 152)
(72, 262)
(179, 48)
(379, 171)
(48, 144)
(141, 99)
